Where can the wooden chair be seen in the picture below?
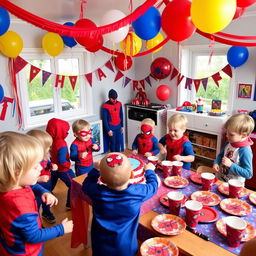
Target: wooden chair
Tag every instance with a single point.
(203, 168)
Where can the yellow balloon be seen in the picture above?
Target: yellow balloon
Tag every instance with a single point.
(154, 42)
(11, 44)
(212, 16)
(52, 44)
(131, 45)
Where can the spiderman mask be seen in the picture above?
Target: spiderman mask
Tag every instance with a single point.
(146, 131)
(114, 159)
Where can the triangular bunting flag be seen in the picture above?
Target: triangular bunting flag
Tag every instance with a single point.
(126, 81)
(118, 75)
(135, 84)
(153, 77)
(197, 83)
(204, 82)
(101, 74)
(59, 82)
(142, 82)
(179, 78)
(73, 80)
(45, 76)
(216, 78)
(109, 66)
(147, 79)
(89, 78)
(174, 73)
(188, 83)
(19, 64)
(228, 70)
(33, 72)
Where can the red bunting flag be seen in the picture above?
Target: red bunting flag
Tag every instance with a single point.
(216, 78)
(228, 70)
(179, 78)
(175, 72)
(19, 64)
(33, 72)
(72, 80)
(188, 83)
(101, 74)
(89, 78)
(59, 82)
(142, 82)
(197, 83)
(5, 102)
(118, 75)
(109, 65)
(135, 84)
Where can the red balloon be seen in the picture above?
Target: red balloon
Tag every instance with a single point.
(244, 3)
(176, 20)
(161, 68)
(239, 12)
(96, 46)
(123, 62)
(163, 92)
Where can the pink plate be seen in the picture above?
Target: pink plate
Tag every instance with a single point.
(249, 233)
(164, 200)
(176, 182)
(252, 198)
(235, 206)
(168, 224)
(208, 215)
(207, 198)
(158, 246)
(196, 178)
(224, 189)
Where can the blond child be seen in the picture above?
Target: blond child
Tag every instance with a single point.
(45, 177)
(235, 158)
(20, 225)
(146, 143)
(116, 205)
(82, 147)
(175, 145)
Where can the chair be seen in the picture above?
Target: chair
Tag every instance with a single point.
(203, 168)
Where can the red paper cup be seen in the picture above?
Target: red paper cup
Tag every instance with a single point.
(208, 180)
(193, 209)
(235, 227)
(153, 160)
(175, 201)
(167, 168)
(235, 187)
(176, 168)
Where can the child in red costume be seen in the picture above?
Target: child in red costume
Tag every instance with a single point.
(82, 147)
(58, 129)
(21, 231)
(175, 145)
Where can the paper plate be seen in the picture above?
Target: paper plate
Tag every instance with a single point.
(249, 233)
(168, 224)
(235, 206)
(207, 198)
(158, 246)
(224, 189)
(208, 215)
(196, 178)
(165, 202)
(176, 182)
(252, 198)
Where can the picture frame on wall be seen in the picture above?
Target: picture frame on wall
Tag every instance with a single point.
(244, 91)
(97, 134)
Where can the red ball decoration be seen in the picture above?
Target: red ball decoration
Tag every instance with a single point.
(123, 62)
(163, 92)
(161, 68)
(97, 44)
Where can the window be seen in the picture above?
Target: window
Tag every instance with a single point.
(41, 102)
(195, 64)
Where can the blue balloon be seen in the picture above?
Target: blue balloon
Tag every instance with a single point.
(4, 21)
(237, 56)
(1, 93)
(68, 40)
(148, 25)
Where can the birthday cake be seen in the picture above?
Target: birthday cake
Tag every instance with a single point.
(138, 170)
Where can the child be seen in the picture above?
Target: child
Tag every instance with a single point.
(235, 159)
(116, 205)
(58, 129)
(82, 147)
(45, 177)
(21, 231)
(146, 143)
(178, 147)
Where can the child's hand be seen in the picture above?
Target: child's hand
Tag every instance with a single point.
(54, 167)
(49, 199)
(67, 225)
(177, 158)
(148, 154)
(163, 150)
(84, 154)
(149, 166)
(135, 152)
(216, 168)
(97, 165)
(226, 161)
(95, 146)
(110, 133)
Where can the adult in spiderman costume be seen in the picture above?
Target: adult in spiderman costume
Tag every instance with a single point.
(146, 143)
(58, 129)
(175, 145)
(112, 117)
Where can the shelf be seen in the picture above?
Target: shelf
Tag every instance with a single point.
(205, 157)
(201, 146)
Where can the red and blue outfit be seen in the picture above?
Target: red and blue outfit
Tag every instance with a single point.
(21, 231)
(112, 117)
(82, 165)
(181, 147)
(58, 129)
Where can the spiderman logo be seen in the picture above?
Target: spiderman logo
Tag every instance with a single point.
(114, 159)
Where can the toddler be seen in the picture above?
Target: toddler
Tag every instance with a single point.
(82, 147)
(21, 231)
(116, 205)
(175, 145)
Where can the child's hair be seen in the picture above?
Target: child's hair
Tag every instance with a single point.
(178, 120)
(117, 175)
(240, 123)
(148, 121)
(44, 137)
(18, 154)
(79, 125)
